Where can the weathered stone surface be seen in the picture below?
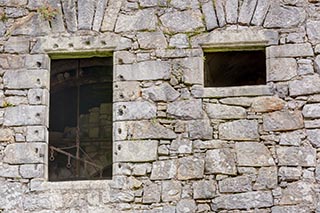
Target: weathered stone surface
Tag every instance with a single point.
(242, 101)
(260, 12)
(284, 16)
(147, 70)
(311, 111)
(164, 92)
(185, 21)
(239, 130)
(25, 115)
(298, 193)
(231, 8)
(313, 31)
(190, 168)
(38, 97)
(111, 15)
(171, 191)
(305, 67)
(282, 121)
(290, 50)
(267, 104)
(317, 64)
(219, 111)
(208, 144)
(86, 11)
(164, 170)
(134, 110)
(17, 45)
(151, 40)
(314, 137)
(236, 184)
(183, 5)
(200, 129)
(204, 189)
(151, 193)
(37, 134)
(220, 92)
(70, 14)
(9, 171)
(305, 86)
(290, 173)
(220, 161)
(24, 153)
(23, 79)
(179, 41)
(32, 25)
(186, 109)
(181, 146)
(296, 156)
(143, 151)
(186, 206)
(244, 200)
(10, 194)
(6, 135)
(220, 12)
(209, 15)
(267, 178)
(118, 196)
(281, 69)
(99, 14)
(246, 11)
(141, 20)
(126, 91)
(32, 170)
(190, 68)
(253, 154)
(292, 138)
(289, 209)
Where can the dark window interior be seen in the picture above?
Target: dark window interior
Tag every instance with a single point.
(236, 68)
(80, 127)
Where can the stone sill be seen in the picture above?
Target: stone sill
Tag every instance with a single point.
(43, 185)
(221, 92)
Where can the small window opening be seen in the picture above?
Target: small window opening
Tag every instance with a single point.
(80, 127)
(235, 68)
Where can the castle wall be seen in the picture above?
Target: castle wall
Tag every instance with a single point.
(178, 146)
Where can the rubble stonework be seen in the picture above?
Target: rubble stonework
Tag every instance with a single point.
(178, 146)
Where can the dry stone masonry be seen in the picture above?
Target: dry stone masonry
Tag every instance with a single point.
(177, 146)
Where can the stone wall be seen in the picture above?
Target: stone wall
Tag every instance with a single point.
(178, 147)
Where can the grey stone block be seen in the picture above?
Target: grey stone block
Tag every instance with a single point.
(296, 156)
(9, 171)
(220, 12)
(267, 178)
(246, 200)
(313, 31)
(246, 11)
(253, 154)
(151, 193)
(164, 92)
(111, 15)
(204, 189)
(200, 129)
(6, 135)
(32, 170)
(25, 79)
(138, 110)
(164, 170)
(186, 206)
(38, 97)
(148, 70)
(126, 91)
(281, 69)
(70, 14)
(17, 45)
(171, 191)
(191, 69)
(289, 50)
(305, 86)
(267, 104)
(239, 130)
(186, 4)
(25, 115)
(209, 15)
(141, 20)
(236, 184)
(290, 173)
(151, 40)
(37, 134)
(298, 193)
(185, 21)
(292, 138)
(25, 153)
(294, 16)
(282, 121)
(231, 8)
(135, 151)
(260, 12)
(179, 41)
(219, 111)
(190, 168)
(314, 137)
(99, 14)
(289, 209)
(186, 109)
(220, 161)
(311, 111)
(181, 146)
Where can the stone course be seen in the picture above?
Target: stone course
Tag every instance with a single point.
(178, 146)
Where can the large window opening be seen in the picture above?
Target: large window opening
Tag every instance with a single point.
(80, 127)
(234, 68)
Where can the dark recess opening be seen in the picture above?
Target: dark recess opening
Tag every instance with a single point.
(236, 68)
(80, 127)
